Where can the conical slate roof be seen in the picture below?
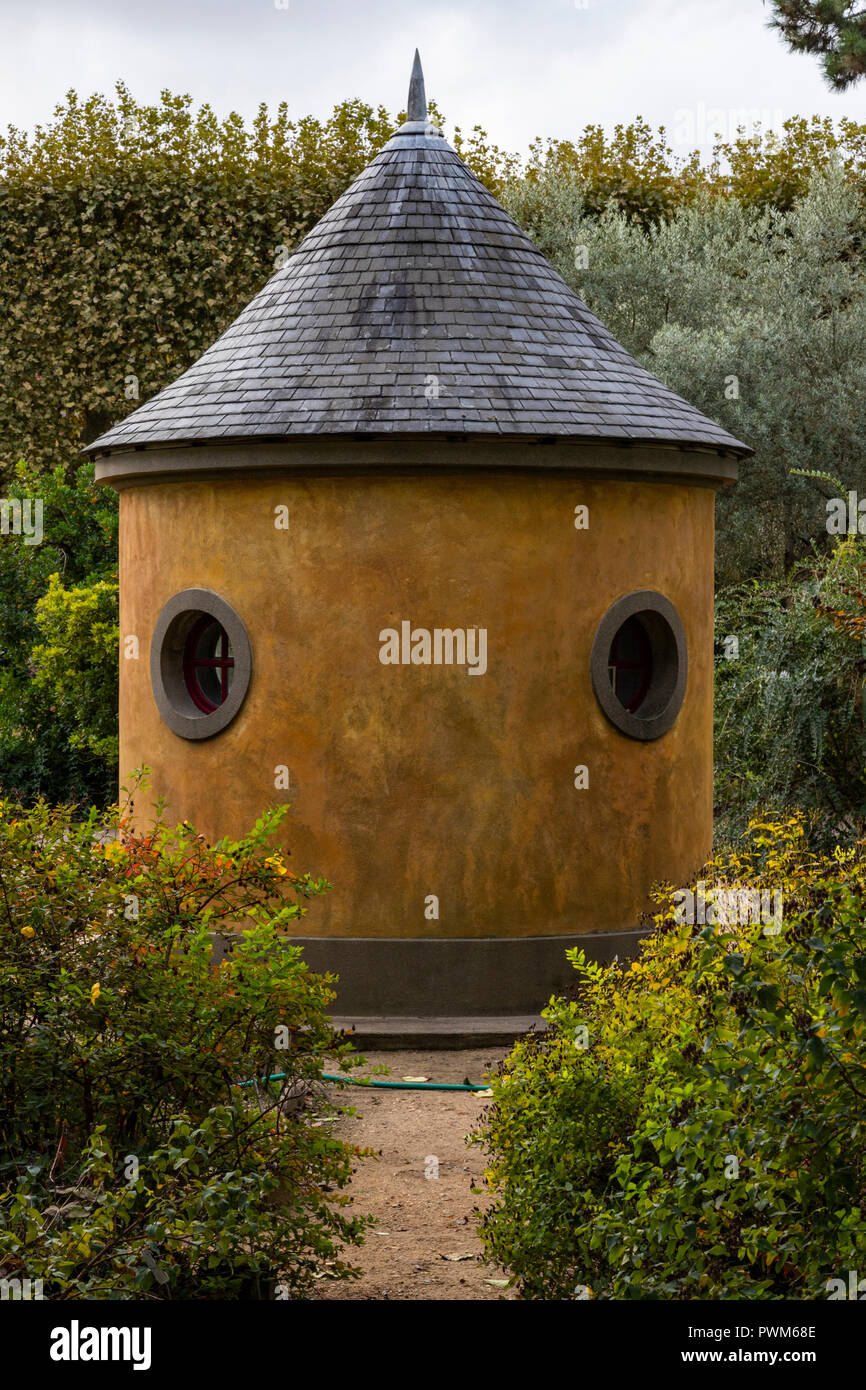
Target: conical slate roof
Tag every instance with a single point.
(416, 307)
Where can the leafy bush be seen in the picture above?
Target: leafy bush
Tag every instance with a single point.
(76, 662)
(694, 1125)
(789, 697)
(56, 732)
(135, 1164)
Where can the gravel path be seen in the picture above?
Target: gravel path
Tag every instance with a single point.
(422, 1219)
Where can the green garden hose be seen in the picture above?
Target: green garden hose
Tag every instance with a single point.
(382, 1085)
(405, 1085)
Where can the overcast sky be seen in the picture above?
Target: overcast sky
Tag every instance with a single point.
(544, 67)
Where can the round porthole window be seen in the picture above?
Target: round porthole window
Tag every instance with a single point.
(208, 664)
(639, 664)
(200, 663)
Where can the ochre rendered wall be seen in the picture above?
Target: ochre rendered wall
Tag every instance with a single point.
(411, 780)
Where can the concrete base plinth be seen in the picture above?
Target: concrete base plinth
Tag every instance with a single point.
(461, 978)
(436, 1034)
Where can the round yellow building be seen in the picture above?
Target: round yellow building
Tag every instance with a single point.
(417, 547)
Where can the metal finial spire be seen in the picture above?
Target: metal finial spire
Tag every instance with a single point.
(416, 106)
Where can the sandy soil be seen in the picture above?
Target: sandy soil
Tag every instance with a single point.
(421, 1219)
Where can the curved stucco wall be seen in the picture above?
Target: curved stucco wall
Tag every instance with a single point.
(408, 781)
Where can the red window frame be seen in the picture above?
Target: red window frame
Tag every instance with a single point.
(644, 664)
(192, 664)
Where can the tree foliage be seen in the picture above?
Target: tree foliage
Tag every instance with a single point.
(76, 662)
(834, 28)
(58, 713)
(635, 171)
(755, 315)
(789, 710)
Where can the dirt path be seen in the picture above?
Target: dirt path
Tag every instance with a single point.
(421, 1219)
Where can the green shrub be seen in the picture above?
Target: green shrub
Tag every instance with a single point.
(53, 723)
(789, 723)
(705, 1138)
(76, 662)
(134, 1162)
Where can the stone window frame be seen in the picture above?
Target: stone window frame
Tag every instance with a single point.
(167, 675)
(663, 701)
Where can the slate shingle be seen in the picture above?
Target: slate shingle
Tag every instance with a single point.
(416, 272)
